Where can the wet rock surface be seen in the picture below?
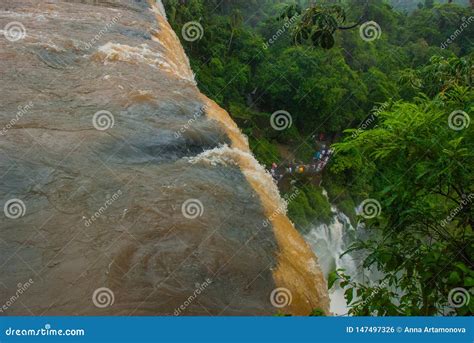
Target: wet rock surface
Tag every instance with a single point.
(102, 136)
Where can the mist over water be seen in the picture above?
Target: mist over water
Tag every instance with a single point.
(330, 242)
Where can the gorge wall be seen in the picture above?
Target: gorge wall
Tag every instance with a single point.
(124, 189)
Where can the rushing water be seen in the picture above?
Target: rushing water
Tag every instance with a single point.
(112, 140)
(331, 241)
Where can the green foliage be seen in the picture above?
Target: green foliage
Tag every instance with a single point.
(310, 96)
(438, 77)
(317, 312)
(409, 159)
(438, 24)
(323, 90)
(339, 195)
(421, 172)
(265, 152)
(309, 207)
(317, 24)
(410, 5)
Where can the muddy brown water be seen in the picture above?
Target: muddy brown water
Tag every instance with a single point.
(104, 204)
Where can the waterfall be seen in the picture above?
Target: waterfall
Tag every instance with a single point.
(114, 108)
(330, 241)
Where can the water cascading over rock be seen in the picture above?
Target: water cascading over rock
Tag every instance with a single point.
(132, 189)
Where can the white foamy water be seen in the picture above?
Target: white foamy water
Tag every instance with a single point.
(133, 67)
(158, 8)
(111, 52)
(225, 155)
(330, 242)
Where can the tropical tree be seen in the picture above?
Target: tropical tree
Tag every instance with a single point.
(419, 162)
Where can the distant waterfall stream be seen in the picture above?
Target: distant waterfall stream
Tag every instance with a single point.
(330, 241)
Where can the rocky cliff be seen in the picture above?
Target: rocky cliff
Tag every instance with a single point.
(125, 190)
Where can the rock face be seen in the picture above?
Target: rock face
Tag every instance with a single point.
(125, 190)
